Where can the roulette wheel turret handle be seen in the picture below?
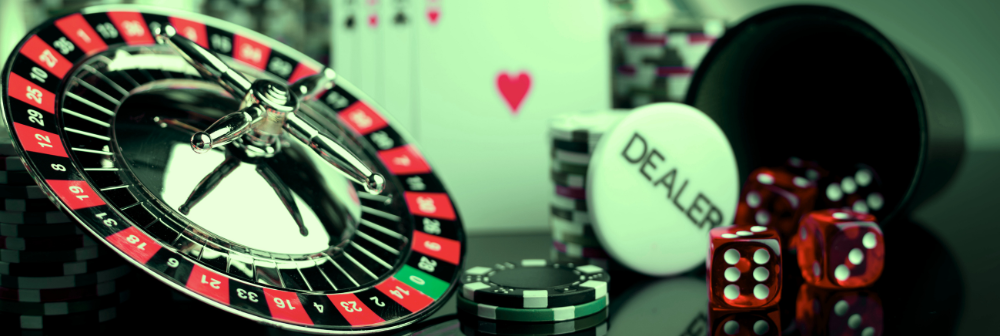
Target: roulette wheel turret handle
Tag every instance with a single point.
(268, 108)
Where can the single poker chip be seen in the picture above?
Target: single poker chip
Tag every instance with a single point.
(65, 294)
(532, 314)
(569, 203)
(534, 283)
(571, 192)
(66, 281)
(573, 146)
(654, 195)
(34, 217)
(46, 244)
(60, 269)
(569, 167)
(595, 324)
(570, 157)
(16, 178)
(15, 204)
(575, 250)
(584, 127)
(11, 163)
(23, 192)
(569, 180)
(79, 254)
(65, 307)
(51, 230)
(58, 322)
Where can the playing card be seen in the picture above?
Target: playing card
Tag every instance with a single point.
(489, 76)
(369, 44)
(344, 48)
(398, 40)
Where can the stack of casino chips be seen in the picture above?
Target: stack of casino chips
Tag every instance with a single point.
(574, 138)
(654, 66)
(534, 297)
(54, 278)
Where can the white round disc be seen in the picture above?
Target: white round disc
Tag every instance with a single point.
(657, 183)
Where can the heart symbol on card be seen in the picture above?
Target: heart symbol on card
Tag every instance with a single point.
(513, 89)
(433, 14)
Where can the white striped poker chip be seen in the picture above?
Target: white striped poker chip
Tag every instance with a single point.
(576, 217)
(567, 203)
(570, 157)
(574, 233)
(569, 180)
(65, 281)
(585, 126)
(534, 283)
(50, 230)
(553, 314)
(34, 217)
(657, 184)
(568, 167)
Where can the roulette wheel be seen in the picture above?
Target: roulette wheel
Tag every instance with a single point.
(232, 168)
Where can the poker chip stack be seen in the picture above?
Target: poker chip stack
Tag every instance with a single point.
(574, 138)
(54, 278)
(534, 297)
(655, 65)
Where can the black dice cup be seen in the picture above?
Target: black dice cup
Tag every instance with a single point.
(821, 84)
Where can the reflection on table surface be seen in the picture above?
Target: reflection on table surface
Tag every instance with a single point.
(919, 293)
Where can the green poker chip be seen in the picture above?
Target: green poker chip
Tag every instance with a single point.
(532, 314)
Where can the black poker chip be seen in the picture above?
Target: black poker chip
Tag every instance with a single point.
(24, 192)
(66, 281)
(46, 244)
(58, 322)
(34, 217)
(534, 283)
(11, 163)
(595, 324)
(78, 254)
(16, 178)
(573, 146)
(37, 231)
(66, 294)
(65, 307)
(16, 204)
(59, 269)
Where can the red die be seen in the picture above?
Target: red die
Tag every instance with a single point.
(863, 191)
(748, 323)
(744, 268)
(821, 311)
(840, 249)
(777, 198)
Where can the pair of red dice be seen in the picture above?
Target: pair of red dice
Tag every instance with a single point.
(778, 197)
(837, 249)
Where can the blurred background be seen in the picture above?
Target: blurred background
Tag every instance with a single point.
(535, 59)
